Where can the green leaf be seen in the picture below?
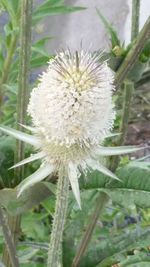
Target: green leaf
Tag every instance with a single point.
(146, 49)
(140, 259)
(39, 46)
(39, 61)
(42, 12)
(112, 33)
(49, 3)
(27, 254)
(33, 196)
(134, 187)
(13, 8)
(109, 251)
(105, 250)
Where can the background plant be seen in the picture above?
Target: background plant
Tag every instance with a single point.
(121, 234)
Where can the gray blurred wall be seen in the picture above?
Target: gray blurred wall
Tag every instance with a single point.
(86, 27)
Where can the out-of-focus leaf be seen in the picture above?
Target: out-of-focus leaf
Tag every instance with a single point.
(112, 33)
(13, 8)
(146, 50)
(111, 249)
(134, 187)
(104, 251)
(27, 254)
(42, 12)
(140, 259)
(39, 46)
(75, 224)
(137, 71)
(39, 61)
(49, 3)
(30, 198)
(10, 88)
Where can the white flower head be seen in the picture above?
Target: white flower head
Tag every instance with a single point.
(72, 104)
(72, 113)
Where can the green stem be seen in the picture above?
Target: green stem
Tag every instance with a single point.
(25, 44)
(128, 86)
(55, 249)
(135, 19)
(14, 226)
(100, 203)
(128, 93)
(23, 81)
(8, 240)
(133, 54)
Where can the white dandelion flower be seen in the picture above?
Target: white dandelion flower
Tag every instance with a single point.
(72, 113)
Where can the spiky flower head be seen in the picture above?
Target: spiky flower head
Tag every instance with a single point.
(72, 113)
(72, 106)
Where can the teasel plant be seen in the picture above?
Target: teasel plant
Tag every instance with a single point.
(11, 224)
(72, 114)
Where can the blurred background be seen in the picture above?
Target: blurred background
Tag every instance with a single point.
(71, 29)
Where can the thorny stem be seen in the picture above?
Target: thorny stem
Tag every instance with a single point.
(133, 54)
(23, 81)
(8, 240)
(25, 44)
(135, 18)
(55, 248)
(128, 86)
(128, 93)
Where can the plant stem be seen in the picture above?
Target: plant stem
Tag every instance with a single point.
(135, 19)
(23, 81)
(100, 203)
(25, 44)
(7, 64)
(128, 86)
(55, 249)
(133, 54)
(9, 240)
(128, 93)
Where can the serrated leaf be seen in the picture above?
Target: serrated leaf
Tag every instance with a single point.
(134, 188)
(112, 33)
